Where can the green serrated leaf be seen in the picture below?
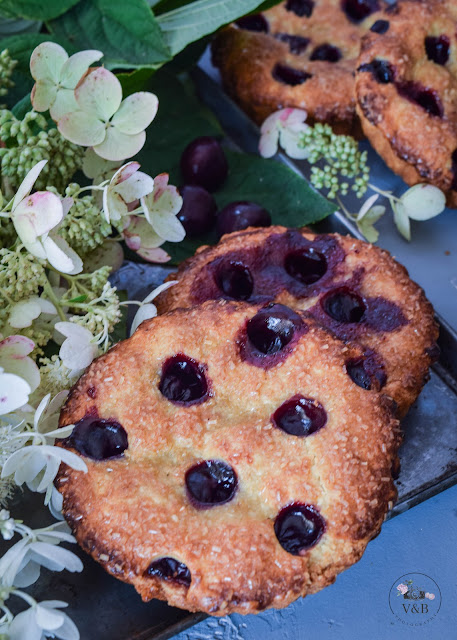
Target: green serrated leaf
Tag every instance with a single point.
(81, 298)
(35, 9)
(126, 32)
(20, 48)
(191, 22)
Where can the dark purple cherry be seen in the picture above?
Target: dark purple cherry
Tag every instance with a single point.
(288, 75)
(381, 70)
(298, 527)
(358, 374)
(98, 438)
(171, 570)
(358, 10)
(235, 280)
(380, 26)
(237, 216)
(454, 170)
(326, 52)
(272, 328)
(256, 22)
(210, 483)
(183, 380)
(297, 44)
(300, 416)
(343, 305)
(302, 8)
(437, 48)
(203, 162)
(428, 99)
(306, 265)
(198, 211)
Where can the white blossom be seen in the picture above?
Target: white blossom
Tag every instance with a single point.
(284, 127)
(7, 525)
(43, 620)
(79, 348)
(125, 187)
(23, 313)
(161, 208)
(146, 309)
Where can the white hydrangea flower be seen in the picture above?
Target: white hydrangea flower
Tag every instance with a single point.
(23, 313)
(98, 169)
(284, 127)
(369, 214)
(79, 348)
(140, 237)
(7, 525)
(57, 76)
(161, 208)
(43, 620)
(113, 127)
(126, 186)
(146, 309)
(35, 217)
(19, 375)
(14, 392)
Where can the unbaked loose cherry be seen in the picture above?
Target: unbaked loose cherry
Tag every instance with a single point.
(170, 569)
(298, 527)
(237, 216)
(198, 211)
(203, 162)
(210, 483)
(183, 380)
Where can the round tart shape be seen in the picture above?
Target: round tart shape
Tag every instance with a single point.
(265, 484)
(406, 88)
(353, 288)
(301, 53)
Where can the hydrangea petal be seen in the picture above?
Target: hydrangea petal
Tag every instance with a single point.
(145, 312)
(290, 142)
(401, 220)
(109, 254)
(49, 619)
(24, 626)
(26, 185)
(423, 201)
(15, 347)
(27, 575)
(82, 128)
(64, 103)
(136, 187)
(156, 255)
(47, 60)
(77, 65)
(141, 228)
(136, 112)
(61, 256)
(68, 631)
(43, 95)
(73, 330)
(14, 392)
(97, 168)
(36, 215)
(24, 313)
(99, 94)
(118, 145)
(158, 290)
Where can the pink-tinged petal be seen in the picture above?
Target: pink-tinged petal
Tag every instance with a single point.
(35, 216)
(161, 214)
(47, 60)
(99, 94)
(268, 143)
(160, 184)
(77, 65)
(136, 112)
(61, 256)
(15, 347)
(64, 103)
(141, 228)
(154, 255)
(272, 122)
(82, 128)
(118, 145)
(291, 117)
(43, 95)
(125, 172)
(114, 206)
(136, 187)
(132, 241)
(14, 392)
(26, 185)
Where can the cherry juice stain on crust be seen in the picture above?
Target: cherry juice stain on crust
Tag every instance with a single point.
(426, 98)
(300, 416)
(169, 569)
(358, 10)
(255, 22)
(285, 261)
(183, 380)
(211, 483)
(437, 48)
(288, 75)
(298, 527)
(301, 8)
(297, 44)
(98, 438)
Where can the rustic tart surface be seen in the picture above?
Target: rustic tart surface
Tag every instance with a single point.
(353, 288)
(233, 464)
(406, 90)
(301, 53)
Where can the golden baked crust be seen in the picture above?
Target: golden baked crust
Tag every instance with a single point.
(130, 510)
(398, 325)
(247, 61)
(418, 142)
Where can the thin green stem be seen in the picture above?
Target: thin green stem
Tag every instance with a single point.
(54, 299)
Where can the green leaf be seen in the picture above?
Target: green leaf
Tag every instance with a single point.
(81, 298)
(181, 119)
(125, 30)
(35, 9)
(20, 48)
(22, 107)
(189, 23)
(134, 81)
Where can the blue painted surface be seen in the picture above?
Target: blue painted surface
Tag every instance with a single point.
(423, 539)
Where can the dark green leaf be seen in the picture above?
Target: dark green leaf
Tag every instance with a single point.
(22, 107)
(125, 30)
(20, 48)
(35, 9)
(134, 81)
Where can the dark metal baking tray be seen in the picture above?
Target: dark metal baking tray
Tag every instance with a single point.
(106, 609)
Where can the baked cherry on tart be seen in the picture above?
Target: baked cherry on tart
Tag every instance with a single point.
(354, 289)
(228, 444)
(406, 88)
(300, 53)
